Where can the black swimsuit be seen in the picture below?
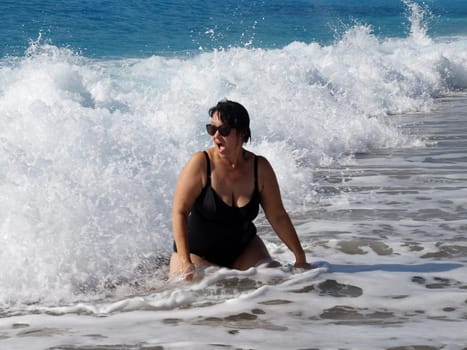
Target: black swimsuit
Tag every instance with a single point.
(219, 232)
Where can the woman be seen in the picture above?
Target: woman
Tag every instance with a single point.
(217, 197)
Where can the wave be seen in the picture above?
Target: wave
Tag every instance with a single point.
(91, 148)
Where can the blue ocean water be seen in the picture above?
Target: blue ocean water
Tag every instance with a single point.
(139, 28)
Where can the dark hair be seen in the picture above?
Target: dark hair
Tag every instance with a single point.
(234, 115)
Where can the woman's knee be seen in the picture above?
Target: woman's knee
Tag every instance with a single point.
(175, 264)
(254, 254)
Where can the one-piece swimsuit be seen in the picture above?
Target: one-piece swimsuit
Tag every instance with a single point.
(217, 231)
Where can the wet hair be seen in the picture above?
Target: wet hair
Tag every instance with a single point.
(234, 115)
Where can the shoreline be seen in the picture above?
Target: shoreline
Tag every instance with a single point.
(399, 201)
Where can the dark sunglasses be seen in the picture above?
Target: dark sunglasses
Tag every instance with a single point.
(224, 130)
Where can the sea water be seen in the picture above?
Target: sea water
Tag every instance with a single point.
(360, 108)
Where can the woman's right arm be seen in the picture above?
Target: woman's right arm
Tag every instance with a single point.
(190, 183)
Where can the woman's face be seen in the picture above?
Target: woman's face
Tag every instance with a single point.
(229, 144)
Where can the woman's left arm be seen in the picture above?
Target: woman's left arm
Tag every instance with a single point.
(275, 212)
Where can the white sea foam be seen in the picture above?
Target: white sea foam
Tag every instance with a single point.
(91, 148)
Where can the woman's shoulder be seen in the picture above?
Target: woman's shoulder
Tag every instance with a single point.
(200, 155)
(197, 161)
(265, 170)
(195, 169)
(263, 162)
(249, 155)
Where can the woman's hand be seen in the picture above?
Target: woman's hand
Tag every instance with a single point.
(304, 265)
(301, 263)
(188, 271)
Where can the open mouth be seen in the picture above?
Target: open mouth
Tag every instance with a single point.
(220, 146)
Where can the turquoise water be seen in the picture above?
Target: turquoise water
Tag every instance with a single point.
(143, 28)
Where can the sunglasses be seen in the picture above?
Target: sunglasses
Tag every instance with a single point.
(224, 130)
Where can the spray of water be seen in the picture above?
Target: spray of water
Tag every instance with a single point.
(91, 148)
